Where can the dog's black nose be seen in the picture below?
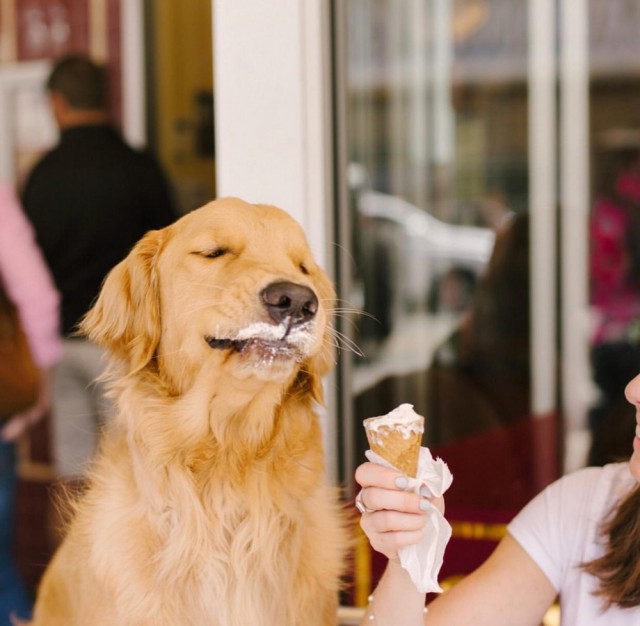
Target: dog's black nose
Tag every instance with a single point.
(284, 299)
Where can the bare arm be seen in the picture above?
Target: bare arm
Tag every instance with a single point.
(509, 589)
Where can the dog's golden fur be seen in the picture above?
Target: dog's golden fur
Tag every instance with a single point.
(208, 504)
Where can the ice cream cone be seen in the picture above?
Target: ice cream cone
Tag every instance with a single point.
(397, 437)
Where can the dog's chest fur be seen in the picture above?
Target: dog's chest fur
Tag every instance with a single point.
(219, 535)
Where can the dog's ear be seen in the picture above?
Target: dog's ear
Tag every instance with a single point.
(125, 318)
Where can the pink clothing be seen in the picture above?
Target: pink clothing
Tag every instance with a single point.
(27, 280)
(613, 295)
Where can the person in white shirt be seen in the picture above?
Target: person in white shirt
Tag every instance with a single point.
(579, 539)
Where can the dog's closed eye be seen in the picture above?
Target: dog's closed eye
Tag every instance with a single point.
(212, 253)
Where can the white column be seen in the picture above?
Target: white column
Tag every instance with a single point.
(7, 165)
(418, 129)
(574, 201)
(273, 109)
(133, 72)
(23, 110)
(542, 203)
(443, 122)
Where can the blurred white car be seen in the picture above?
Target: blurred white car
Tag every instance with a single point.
(406, 254)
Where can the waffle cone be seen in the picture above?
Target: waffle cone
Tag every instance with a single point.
(397, 442)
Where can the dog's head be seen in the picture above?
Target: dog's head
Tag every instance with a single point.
(231, 287)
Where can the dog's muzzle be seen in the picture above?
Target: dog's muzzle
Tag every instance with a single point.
(291, 301)
(292, 309)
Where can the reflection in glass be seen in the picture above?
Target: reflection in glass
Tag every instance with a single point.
(436, 117)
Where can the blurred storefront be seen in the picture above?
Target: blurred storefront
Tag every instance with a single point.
(158, 56)
(465, 147)
(445, 158)
(476, 135)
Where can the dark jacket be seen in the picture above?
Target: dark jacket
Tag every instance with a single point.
(90, 199)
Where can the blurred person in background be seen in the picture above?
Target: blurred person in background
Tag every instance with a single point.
(90, 199)
(29, 286)
(484, 365)
(615, 293)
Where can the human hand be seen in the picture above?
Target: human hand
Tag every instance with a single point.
(20, 422)
(394, 518)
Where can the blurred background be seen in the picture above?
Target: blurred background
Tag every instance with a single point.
(467, 171)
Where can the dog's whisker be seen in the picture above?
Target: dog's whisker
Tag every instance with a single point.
(201, 307)
(353, 312)
(210, 286)
(345, 343)
(171, 353)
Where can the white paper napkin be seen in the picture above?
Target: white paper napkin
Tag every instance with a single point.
(424, 560)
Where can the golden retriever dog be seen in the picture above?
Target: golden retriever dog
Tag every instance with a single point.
(208, 503)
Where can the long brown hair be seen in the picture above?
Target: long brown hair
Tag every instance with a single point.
(618, 570)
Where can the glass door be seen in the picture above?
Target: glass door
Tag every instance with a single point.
(613, 190)
(471, 135)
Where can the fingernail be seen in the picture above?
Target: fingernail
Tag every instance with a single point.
(402, 482)
(425, 491)
(425, 505)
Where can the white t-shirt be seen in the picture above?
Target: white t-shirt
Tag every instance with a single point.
(560, 529)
